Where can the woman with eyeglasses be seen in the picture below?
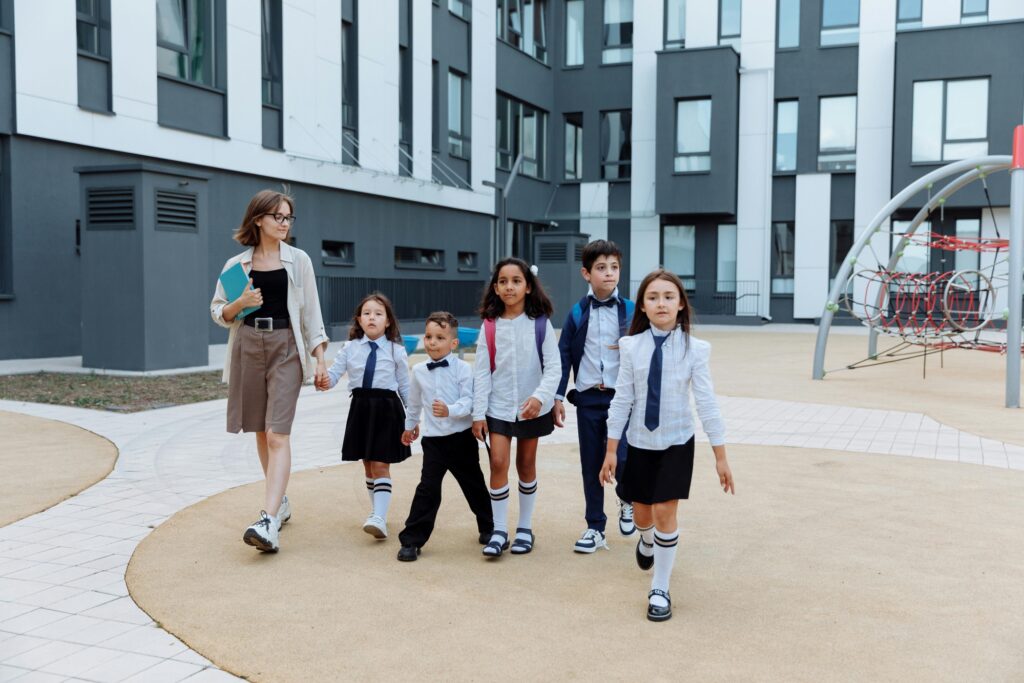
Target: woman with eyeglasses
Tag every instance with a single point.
(270, 349)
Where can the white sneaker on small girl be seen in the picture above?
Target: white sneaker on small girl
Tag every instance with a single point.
(376, 527)
(263, 533)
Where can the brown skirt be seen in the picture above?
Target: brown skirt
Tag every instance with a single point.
(266, 375)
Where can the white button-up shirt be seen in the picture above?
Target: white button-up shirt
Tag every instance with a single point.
(684, 365)
(517, 373)
(391, 370)
(453, 385)
(600, 362)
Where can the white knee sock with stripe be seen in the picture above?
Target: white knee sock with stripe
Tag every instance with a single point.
(381, 496)
(665, 543)
(527, 499)
(369, 489)
(646, 540)
(499, 509)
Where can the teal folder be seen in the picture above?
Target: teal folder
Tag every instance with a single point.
(234, 281)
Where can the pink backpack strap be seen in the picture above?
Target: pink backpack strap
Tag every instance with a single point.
(489, 336)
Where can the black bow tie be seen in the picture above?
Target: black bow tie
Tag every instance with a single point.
(598, 304)
(439, 364)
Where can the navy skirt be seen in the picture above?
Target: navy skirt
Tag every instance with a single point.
(658, 476)
(376, 420)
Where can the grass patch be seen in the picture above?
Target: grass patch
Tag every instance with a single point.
(106, 392)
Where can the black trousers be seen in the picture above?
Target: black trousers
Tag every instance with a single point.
(458, 454)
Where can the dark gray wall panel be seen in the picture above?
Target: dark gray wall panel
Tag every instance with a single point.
(192, 108)
(6, 83)
(696, 73)
(945, 53)
(784, 198)
(94, 83)
(451, 50)
(842, 196)
(272, 138)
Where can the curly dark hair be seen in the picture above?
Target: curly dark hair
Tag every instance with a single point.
(391, 332)
(641, 323)
(537, 302)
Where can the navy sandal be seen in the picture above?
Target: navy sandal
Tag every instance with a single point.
(521, 546)
(495, 549)
(655, 612)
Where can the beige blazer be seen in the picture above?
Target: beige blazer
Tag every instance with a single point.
(303, 306)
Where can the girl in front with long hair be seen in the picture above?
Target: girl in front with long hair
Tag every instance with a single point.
(514, 381)
(270, 349)
(659, 364)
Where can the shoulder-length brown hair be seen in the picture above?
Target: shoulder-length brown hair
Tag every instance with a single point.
(641, 323)
(264, 202)
(391, 332)
(536, 304)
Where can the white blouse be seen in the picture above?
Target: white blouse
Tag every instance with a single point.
(453, 385)
(684, 366)
(517, 373)
(391, 370)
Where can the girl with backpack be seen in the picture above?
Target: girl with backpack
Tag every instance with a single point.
(515, 377)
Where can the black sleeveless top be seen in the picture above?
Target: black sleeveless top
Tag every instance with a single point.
(273, 284)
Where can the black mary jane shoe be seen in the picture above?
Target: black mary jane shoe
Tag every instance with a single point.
(408, 553)
(656, 613)
(495, 549)
(521, 546)
(643, 561)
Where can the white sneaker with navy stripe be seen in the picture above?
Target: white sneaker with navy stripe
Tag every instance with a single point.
(590, 541)
(627, 527)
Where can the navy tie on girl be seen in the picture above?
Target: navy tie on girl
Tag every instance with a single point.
(652, 416)
(371, 365)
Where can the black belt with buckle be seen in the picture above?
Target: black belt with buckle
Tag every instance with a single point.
(267, 324)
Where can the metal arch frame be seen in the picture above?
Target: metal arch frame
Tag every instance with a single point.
(970, 169)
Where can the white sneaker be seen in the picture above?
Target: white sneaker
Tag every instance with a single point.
(626, 525)
(262, 534)
(590, 541)
(376, 527)
(284, 513)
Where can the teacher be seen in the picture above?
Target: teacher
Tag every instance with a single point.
(269, 350)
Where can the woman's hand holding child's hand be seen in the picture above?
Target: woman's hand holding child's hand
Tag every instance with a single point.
(320, 379)
(530, 409)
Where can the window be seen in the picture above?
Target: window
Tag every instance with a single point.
(338, 253)
(618, 32)
(967, 259)
(726, 265)
(693, 136)
(574, 146)
(729, 22)
(788, 24)
(908, 14)
(469, 261)
(435, 87)
(270, 44)
(349, 85)
(522, 24)
(916, 252)
(837, 133)
(574, 15)
(415, 257)
(840, 20)
(675, 24)
(950, 120)
(461, 9)
(93, 27)
(679, 246)
(840, 244)
(616, 146)
(785, 135)
(458, 123)
(186, 47)
(783, 257)
(973, 11)
(521, 129)
(405, 88)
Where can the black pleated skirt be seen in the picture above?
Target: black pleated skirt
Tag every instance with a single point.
(539, 426)
(658, 476)
(376, 420)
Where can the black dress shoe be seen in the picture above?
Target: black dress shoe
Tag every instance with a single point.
(408, 553)
(643, 561)
(655, 613)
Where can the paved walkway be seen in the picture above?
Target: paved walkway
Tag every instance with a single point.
(65, 612)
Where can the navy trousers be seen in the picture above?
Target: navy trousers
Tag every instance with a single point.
(592, 425)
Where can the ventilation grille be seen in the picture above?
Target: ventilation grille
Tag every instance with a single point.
(551, 253)
(178, 211)
(110, 208)
(579, 253)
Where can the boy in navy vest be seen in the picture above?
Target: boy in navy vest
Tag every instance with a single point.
(590, 345)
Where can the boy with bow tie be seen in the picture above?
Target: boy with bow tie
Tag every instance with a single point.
(444, 385)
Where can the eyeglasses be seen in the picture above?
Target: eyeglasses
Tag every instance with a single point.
(281, 218)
